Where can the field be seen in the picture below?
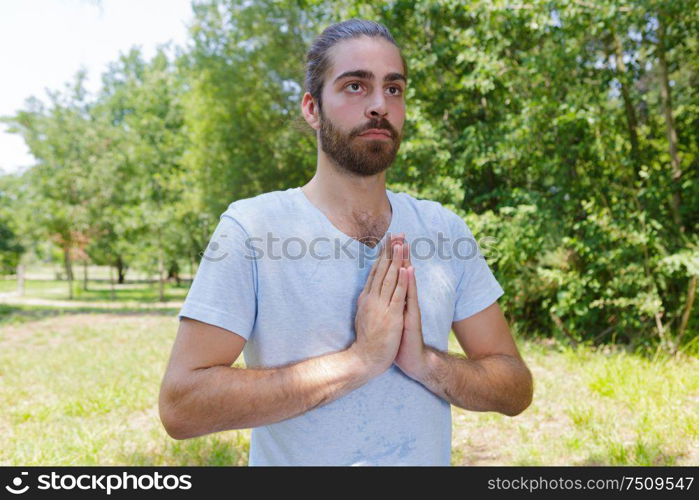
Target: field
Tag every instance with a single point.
(79, 384)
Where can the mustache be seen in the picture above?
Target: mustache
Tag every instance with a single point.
(381, 125)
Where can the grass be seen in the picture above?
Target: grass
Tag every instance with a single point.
(80, 387)
(592, 407)
(83, 388)
(34, 287)
(98, 291)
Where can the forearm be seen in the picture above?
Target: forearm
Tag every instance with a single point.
(221, 398)
(499, 382)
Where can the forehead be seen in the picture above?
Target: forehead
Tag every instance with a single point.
(375, 54)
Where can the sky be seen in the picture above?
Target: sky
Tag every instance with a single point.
(43, 44)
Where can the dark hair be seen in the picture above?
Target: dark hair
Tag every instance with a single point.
(317, 57)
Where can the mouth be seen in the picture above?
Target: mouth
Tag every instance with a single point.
(376, 134)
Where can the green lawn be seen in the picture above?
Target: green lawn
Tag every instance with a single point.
(80, 387)
(591, 407)
(139, 292)
(33, 287)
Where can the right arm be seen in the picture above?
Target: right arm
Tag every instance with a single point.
(202, 393)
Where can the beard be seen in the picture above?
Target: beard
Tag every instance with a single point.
(363, 157)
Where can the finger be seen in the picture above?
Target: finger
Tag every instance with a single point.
(391, 278)
(372, 273)
(406, 255)
(383, 262)
(397, 304)
(383, 252)
(402, 256)
(398, 237)
(396, 241)
(411, 293)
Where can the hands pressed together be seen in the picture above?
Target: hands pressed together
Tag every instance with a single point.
(388, 323)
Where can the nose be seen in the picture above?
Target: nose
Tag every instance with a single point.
(377, 106)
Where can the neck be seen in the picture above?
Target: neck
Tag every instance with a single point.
(344, 193)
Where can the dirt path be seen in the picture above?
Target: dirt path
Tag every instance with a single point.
(12, 299)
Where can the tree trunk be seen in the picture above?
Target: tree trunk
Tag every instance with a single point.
(85, 275)
(111, 282)
(173, 272)
(661, 330)
(20, 276)
(121, 270)
(631, 119)
(671, 131)
(161, 276)
(687, 308)
(67, 263)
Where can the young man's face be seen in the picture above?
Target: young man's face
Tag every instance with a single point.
(364, 89)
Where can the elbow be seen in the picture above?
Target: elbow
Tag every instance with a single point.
(518, 407)
(172, 425)
(172, 419)
(525, 395)
(174, 428)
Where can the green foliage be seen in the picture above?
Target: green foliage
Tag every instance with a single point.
(10, 249)
(551, 118)
(565, 132)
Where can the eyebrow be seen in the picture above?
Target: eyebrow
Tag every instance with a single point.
(368, 75)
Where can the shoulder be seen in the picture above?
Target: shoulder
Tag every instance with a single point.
(256, 210)
(431, 212)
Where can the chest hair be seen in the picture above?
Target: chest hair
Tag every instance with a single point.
(367, 229)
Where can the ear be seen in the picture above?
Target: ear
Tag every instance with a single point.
(310, 111)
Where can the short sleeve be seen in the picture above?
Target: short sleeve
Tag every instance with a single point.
(223, 292)
(477, 287)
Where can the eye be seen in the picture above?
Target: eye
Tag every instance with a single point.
(399, 91)
(351, 84)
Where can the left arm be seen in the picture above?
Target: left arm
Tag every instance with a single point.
(493, 377)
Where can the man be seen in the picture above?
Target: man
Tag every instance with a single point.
(346, 362)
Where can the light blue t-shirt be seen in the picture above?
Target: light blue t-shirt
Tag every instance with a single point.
(280, 274)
